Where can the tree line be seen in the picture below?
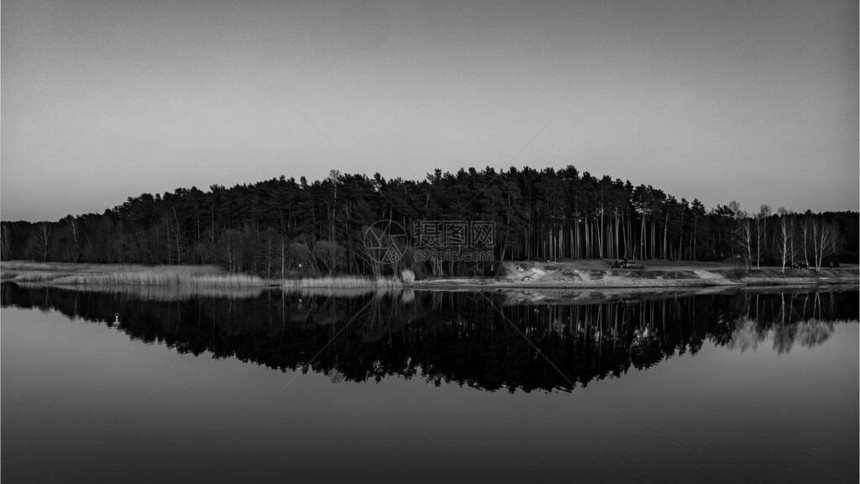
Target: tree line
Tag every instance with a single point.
(283, 227)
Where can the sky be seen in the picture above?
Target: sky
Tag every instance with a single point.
(754, 101)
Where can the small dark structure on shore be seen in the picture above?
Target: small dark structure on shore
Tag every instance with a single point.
(624, 264)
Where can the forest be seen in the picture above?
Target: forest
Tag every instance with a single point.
(286, 228)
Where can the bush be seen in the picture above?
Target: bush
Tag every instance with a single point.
(407, 276)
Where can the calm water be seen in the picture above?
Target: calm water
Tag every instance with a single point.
(427, 387)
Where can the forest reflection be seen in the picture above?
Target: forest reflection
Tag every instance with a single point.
(470, 338)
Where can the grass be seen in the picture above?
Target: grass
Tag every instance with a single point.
(110, 275)
(407, 277)
(159, 278)
(564, 273)
(125, 275)
(348, 292)
(343, 282)
(165, 293)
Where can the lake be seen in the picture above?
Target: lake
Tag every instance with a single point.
(161, 385)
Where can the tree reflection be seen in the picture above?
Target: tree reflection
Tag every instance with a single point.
(467, 338)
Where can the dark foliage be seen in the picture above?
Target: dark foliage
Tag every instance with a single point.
(284, 227)
(466, 338)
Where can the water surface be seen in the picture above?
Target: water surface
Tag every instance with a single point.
(427, 387)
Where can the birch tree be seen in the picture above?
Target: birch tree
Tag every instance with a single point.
(743, 231)
(823, 241)
(5, 242)
(43, 239)
(784, 236)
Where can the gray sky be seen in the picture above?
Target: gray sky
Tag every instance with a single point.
(720, 100)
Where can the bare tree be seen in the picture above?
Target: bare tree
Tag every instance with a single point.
(283, 258)
(333, 176)
(823, 241)
(743, 231)
(43, 239)
(74, 227)
(792, 252)
(331, 254)
(804, 231)
(5, 242)
(761, 232)
(178, 236)
(785, 237)
(299, 255)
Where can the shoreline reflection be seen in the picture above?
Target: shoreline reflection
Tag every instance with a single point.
(475, 339)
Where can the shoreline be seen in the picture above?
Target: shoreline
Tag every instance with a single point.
(466, 284)
(523, 275)
(593, 274)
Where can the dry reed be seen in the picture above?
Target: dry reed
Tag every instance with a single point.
(343, 282)
(125, 275)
